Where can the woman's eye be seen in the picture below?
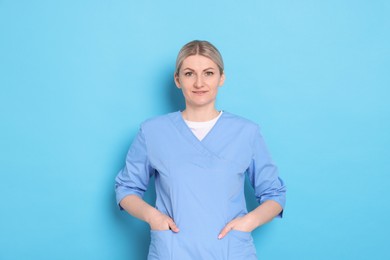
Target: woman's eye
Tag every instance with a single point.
(188, 74)
(209, 73)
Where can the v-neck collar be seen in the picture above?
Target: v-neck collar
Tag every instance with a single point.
(183, 128)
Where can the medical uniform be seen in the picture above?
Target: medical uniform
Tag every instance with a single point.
(200, 184)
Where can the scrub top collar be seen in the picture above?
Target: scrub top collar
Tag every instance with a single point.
(184, 130)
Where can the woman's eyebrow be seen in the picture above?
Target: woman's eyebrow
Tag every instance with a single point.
(210, 68)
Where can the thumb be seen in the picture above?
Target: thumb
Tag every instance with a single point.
(173, 227)
(224, 231)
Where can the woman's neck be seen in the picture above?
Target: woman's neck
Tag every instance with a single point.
(199, 114)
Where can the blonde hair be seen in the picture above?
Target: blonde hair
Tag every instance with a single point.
(203, 48)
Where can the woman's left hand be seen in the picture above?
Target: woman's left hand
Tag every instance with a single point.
(244, 224)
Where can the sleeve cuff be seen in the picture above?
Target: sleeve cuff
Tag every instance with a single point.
(280, 201)
(120, 195)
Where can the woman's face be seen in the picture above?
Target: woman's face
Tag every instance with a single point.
(199, 78)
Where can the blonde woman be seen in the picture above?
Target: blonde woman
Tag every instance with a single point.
(199, 158)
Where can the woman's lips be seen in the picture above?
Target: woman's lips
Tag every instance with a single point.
(199, 92)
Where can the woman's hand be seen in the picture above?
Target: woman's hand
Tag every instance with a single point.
(257, 217)
(160, 221)
(137, 207)
(244, 224)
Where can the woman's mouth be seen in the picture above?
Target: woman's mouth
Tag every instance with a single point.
(199, 92)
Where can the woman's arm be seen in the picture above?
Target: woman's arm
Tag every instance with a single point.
(269, 190)
(138, 208)
(132, 182)
(257, 217)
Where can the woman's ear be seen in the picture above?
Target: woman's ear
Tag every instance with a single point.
(222, 79)
(176, 79)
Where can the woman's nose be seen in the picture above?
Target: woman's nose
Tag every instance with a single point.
(198, 82)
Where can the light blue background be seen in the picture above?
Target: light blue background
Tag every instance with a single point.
(78, 77)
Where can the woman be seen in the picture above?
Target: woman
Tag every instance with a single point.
(199, 158)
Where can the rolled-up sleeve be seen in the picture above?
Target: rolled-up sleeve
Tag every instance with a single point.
(134, 178)
(263, 174)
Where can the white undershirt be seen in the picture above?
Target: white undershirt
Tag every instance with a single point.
(201, 129)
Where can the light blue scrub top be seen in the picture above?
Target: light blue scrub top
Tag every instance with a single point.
(200, 184)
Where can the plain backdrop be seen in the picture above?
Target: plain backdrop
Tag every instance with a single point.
(78, 77)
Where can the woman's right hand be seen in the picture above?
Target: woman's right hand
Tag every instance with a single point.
(160, 221)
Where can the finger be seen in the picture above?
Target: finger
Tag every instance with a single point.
(224, 232)
(173, 227)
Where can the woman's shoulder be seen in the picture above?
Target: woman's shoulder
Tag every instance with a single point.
(160, 120)
(238, 120)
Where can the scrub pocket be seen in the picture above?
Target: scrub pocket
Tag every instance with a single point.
(160, 245)
(241, 246)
